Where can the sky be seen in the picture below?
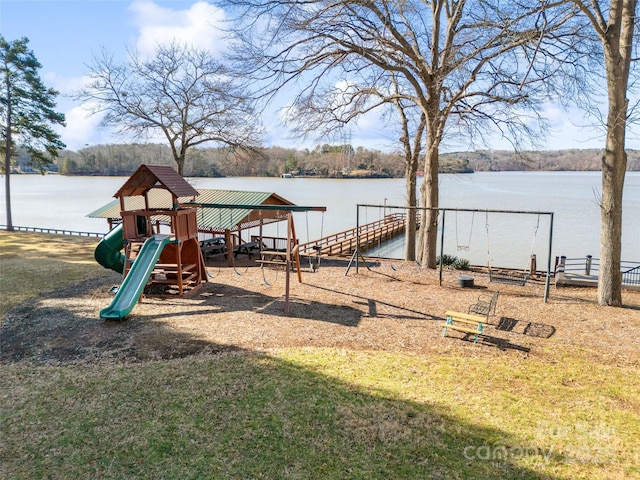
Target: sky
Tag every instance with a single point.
(65, 35)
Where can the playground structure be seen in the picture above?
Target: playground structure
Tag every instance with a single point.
(151, 257)
(175, 260)
(165, 234)
(219, 229)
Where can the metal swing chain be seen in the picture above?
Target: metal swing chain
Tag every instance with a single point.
(468, 245)
(533, 242)
(486, 223)
(317, 247)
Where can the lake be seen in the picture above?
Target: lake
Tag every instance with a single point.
(55, 201)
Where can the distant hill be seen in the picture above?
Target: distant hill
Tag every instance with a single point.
(550, 160)
(323, 161)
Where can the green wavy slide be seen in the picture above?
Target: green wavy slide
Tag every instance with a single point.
(108, 252)
(135, 281)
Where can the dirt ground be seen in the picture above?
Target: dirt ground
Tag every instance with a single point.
(394, 306)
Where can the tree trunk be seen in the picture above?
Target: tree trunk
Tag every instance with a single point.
(179, 159)
(617, 41)
(7, 157)
(411, 201)
(7, 182)
(614, 165)
(613, 171)
(412, 156)
(429, 193)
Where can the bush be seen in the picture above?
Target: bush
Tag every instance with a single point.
(461, 264)
(453, 262)
(447, 260)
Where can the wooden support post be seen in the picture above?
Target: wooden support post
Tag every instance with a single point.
(227, 241)
(295, 249)
(533, 267)
(179, 262)
(288, 262)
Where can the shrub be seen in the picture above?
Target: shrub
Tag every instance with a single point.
(461, 264)
(453, 262)
(447, 260)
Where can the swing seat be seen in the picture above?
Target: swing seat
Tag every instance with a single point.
(512, 278)
(485, 305)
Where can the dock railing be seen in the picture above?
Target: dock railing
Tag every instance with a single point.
(588, 268)
(345, 242)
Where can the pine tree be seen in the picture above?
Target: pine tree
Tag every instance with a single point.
(27, 111)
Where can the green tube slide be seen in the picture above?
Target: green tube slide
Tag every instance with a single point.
(133, 285)
(108, 252)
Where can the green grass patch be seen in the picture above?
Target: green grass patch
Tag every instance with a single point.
(31, 264)
(320, 414)
(306, 413)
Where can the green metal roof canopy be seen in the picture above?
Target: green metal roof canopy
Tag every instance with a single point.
(284, 208)
(220, 210)
(242, 216)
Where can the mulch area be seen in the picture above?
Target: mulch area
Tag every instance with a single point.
(394, 306)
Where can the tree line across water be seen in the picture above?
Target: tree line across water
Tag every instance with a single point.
(322, 161)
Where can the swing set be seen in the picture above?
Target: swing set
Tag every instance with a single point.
(463, 242)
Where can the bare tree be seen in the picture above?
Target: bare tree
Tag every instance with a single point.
(322, 112)
(461, 62)
(181, 93)
(617, 29)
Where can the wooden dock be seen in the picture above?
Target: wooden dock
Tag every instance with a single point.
(584, 272)
(369, 235)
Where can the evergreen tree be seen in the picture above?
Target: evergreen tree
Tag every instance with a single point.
(27, 111)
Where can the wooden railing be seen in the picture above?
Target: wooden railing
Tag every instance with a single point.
(589, 267)
(369, 235)
(56, 231)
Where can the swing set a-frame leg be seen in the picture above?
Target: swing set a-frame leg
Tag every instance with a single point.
(354, 258)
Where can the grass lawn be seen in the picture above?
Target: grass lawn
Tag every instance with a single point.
(31, 264)
(304, 413)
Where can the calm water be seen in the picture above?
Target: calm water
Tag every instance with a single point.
(54, 201)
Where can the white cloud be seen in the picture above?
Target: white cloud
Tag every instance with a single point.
(81, 128)
(197, 26)
(64, 85)
(571, 128)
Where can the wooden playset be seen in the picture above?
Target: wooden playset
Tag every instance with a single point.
(180, 263)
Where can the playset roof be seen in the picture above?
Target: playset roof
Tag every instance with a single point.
(148, 177)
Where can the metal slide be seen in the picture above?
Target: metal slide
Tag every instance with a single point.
(135, 281)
